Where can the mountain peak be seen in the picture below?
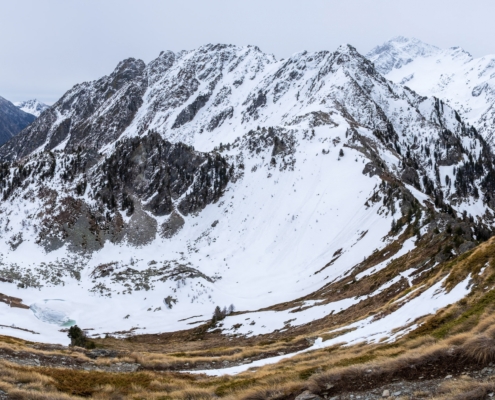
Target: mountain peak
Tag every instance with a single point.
(33, 106)
(349, 51)
(126, 71)
(346, 52)
(458, 51)
(230, 50)
(346, 49)
(408, 43)
(398, 52)
(405, 39)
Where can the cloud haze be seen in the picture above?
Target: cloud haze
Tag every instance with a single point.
(48, 46)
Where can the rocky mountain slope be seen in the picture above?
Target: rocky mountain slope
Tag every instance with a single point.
(464, 82)
(141, 201)
(12, 120)
(33, 107)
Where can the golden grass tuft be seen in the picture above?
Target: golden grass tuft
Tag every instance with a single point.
(465, 389)
(271, 393)
(480, 348)
(191, 394)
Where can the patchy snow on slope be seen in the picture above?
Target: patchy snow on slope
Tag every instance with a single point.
(372, 329)
(407, 246)
(430, 301)
(263, 322)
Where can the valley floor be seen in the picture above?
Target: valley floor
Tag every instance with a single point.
(29, 370)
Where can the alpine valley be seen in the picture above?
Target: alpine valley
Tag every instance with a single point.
(320, 200)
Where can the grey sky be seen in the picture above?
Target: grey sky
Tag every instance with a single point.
(47, 46)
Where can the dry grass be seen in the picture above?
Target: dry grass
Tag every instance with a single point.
(336, 367)
(465, 389)
(28, 384)
(480, 348)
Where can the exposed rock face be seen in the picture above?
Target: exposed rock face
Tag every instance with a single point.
(141, 229)
(145, 177)
(71, 221)
(188, 113)
(410, 176)
(159, 173)
(172, 226)
(12, 120)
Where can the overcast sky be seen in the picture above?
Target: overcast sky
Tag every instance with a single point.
(47, 46)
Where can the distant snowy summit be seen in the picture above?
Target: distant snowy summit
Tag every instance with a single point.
(401, 51)
(33, 107)
(466, 83)
(398, 52)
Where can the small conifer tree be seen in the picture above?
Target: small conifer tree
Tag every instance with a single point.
(77, 336)
(217, 315)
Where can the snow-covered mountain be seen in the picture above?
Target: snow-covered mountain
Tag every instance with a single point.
(12, 120)
(33, 107)
(399, 52)
(465, 83)
(221, 176)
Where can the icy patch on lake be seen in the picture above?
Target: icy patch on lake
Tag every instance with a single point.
(55, 311)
